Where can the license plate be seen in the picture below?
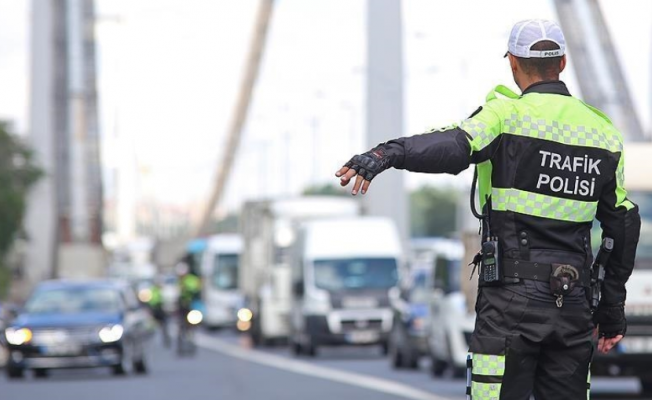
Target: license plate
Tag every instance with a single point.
(363, 336)
(62, 350)
(634, 344)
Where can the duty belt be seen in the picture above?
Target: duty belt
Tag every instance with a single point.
(538, 271)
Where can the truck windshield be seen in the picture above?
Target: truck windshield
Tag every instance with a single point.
(356, 273)
(225, 271)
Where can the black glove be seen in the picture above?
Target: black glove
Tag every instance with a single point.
(371, 163)
(611, 320)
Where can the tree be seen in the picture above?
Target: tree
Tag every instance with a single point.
(228, 224)
(433, 211)
(18, 173)
(325, 190)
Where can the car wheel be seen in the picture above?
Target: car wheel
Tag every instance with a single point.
(646, 385)
(41, 373)
(119, 369)
(14, 372)
(413, 362)
(437, 366)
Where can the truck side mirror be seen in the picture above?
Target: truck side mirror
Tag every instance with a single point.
(298, 288)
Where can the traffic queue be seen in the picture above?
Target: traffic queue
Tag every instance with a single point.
(291, 276)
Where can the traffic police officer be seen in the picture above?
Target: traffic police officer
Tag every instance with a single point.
(548, 164)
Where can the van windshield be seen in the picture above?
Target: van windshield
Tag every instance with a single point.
(225, 271)
(356, 273)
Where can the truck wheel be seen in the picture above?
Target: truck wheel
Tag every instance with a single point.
(310, 349)
(14, 372)
(41, 373)
(296, 348)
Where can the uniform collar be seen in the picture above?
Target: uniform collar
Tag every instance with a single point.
(548, 87)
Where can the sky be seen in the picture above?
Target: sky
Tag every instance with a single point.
(169, 72)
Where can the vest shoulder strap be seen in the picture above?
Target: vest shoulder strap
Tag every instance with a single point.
(597, 112)
(502, 90)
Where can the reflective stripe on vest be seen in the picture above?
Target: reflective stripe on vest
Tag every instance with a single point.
(540, 205)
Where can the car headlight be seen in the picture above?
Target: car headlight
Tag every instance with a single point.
(18, 336)
(245, 315)
(111, 333)
(194, 317)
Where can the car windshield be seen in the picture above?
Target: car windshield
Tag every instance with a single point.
(73, 301)
(356, 273)
(225, 271)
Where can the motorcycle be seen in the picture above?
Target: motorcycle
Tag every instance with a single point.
(189, 320)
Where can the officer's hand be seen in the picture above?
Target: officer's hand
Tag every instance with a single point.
(606, 344)
(366, 166)
(611, 323)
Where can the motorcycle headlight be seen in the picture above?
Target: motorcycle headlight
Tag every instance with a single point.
(111, 333)
(194, 317)
(17, 337)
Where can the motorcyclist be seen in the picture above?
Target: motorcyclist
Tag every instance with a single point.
(155, 304)
(189, 292)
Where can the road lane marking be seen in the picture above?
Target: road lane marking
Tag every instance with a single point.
(304, 368)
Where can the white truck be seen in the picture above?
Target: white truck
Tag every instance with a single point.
(268, 230)
(219, 269)
(633, 355)
(343, 270)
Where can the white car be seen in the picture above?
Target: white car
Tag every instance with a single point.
(450, 325)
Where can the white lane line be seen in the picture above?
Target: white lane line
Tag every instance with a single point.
(304, 368)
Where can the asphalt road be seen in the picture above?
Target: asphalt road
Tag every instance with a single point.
(225, 367)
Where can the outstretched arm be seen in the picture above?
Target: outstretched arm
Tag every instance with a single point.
(449, 150)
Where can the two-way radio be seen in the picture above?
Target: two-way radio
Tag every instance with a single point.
(489, 256)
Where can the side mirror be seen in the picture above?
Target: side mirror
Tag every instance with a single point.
(298, 288)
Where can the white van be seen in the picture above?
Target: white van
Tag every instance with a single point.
(220, 294)
(343, 270)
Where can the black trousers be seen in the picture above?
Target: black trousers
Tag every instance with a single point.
(522, 346)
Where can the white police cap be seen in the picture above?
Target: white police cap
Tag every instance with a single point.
(527, 33)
